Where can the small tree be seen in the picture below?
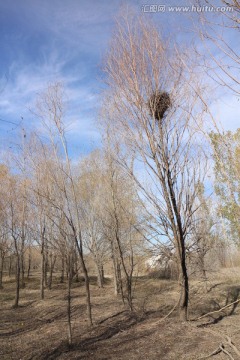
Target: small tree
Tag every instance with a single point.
(90, 191)
(50, 109)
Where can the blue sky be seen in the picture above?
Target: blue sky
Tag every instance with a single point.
(60, 40)
(43, 42)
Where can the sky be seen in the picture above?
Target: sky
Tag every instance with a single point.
(66, 40)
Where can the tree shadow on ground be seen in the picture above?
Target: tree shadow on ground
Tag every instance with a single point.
(213, 287)
(232, 295)
(88, 343)
(50, 315)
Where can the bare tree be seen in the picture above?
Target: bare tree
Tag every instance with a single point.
(50, 110)
(120, 219)
(4, 230)
(90, 192)
(15, 224)
(41, 191)
(110, 212)
(151, 107)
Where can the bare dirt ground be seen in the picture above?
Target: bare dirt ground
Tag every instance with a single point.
(37, 329)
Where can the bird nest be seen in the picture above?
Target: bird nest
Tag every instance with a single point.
(158, 104)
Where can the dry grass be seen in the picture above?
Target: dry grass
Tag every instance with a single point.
(37, 329)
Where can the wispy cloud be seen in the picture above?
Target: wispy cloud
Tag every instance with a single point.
(55, 41)
(47, 41)
(226, 111)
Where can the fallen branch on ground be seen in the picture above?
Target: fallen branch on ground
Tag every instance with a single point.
(216, 311)
(227, 341)
(169, 313)
(215, 352)
(220, 349)
(226, 352)
(230, 343)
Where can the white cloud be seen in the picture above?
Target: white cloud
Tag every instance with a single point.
(226, 111)
(26, 82)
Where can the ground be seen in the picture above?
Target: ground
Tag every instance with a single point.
(37, 329)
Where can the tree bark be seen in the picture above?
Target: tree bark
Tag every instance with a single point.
(22, 270)
(29, 265)
(62, 269)
(87, 286)
(99, 275)
(86, 278)
(180, 245)
(69, 282)
(102, 272)
(1, 270)
(10, 266)
(51, 268)
(42, 269)
(183, 308)
(46, 266)
(17, 281)
(116, 272)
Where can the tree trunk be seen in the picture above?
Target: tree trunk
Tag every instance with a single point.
(183, 308)
(102, 272)
(129, 292)
(99, 275)
(22, 270)
(1, 270)
(88, 298)
(116, 272)
(17, 281)
(29, 265)
(87, 284)
(180, 245)
(62, 270)
(120, 282)
(42, 272)
(115, 280)
(202, 265)
(46, 267)
(69, 301)
(116, 277)
(76, 270)
(10, 266)
(52, 264)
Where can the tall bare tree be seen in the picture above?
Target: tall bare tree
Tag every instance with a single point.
(90, 191)
(16, 217)
(153, 115)
(4, 230)
(50, 109)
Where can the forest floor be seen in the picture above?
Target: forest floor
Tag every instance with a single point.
(37, 329)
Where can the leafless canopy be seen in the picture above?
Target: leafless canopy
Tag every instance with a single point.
(153, 112)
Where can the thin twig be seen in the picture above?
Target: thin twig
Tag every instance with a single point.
(168, 314)
(215, 352)
(226, 341)
(230, 343)
(226, 352)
